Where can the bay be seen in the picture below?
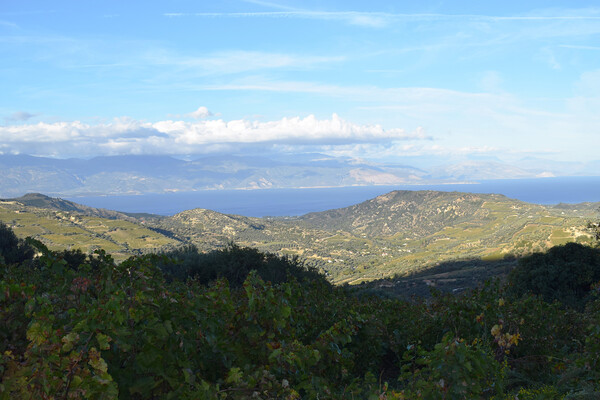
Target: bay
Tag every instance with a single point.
(292, 202)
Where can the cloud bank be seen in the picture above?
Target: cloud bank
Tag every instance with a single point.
(176, 137)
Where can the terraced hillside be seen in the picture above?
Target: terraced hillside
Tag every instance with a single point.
(80, 227)
(399, 233)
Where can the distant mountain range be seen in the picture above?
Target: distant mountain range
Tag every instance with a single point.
(118, 175)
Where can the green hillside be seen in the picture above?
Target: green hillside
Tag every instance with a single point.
(65, 225)
(399, 233)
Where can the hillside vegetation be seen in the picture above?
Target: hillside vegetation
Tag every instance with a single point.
(397, 234)
(63, 225)
(143, 329)
(401, 232)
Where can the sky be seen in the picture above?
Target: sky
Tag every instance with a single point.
(377, 80)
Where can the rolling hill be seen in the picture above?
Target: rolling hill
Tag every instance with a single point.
(61, 224)
(399, 233)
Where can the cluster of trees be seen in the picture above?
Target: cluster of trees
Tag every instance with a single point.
(12, 249)
(234, 264)
(237, 324)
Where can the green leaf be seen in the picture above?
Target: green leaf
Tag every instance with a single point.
(37, 333)
(103, 341)
(234, 375)
(169, 327)
(76, 382)
(69, 341)
(142, 386)
(97, 362)
(188, 375)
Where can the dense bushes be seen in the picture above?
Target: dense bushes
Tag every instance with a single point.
(564, 273)
(76, 328)
(12, 249)
(233, 263)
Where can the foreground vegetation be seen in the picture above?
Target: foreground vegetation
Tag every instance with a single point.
(238, 324)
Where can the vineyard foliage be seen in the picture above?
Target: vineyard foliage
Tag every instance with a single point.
(76, 326)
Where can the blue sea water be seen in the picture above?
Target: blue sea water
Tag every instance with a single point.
(291, 202)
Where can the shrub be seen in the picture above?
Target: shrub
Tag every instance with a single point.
(564, 273)
(12, 249)
(233, 263)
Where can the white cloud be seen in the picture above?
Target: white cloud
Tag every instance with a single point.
(496, 118)
(295, 129)
(128, 136)
(200, 113)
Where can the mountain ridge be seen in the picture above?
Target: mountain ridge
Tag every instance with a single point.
(139, 174)
(40, 200)
(401, 206)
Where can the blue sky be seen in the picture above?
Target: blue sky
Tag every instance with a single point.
(382, 80)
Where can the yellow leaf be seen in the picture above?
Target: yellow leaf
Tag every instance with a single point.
(496, 330)
(99, 364)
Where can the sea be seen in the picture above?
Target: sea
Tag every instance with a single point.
(294, 202)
